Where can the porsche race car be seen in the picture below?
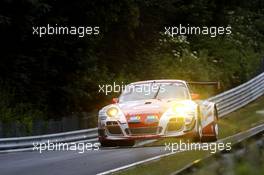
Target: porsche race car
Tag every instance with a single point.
(157, 108)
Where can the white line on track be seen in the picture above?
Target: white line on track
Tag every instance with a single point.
(248, 133)
(31, 148)
(137, 163)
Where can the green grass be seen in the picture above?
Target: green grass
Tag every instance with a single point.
(235, 122)
(250, 161)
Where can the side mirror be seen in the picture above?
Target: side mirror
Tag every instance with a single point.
(115, 100)
(195, 96)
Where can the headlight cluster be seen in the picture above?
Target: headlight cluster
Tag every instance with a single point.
(181, 110)
(112, 112)
(188, 119)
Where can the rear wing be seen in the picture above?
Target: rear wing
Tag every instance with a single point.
(212, 88)
(217, 84)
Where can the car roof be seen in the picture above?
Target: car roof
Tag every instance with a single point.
(159, 81)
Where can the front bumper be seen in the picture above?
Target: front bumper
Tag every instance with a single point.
(116, 131)
(143, 137)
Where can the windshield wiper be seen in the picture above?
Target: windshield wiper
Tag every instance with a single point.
(156, 94)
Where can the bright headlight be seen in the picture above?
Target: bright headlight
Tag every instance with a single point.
(180, 109)
(112, 112)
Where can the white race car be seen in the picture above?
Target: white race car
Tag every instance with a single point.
(157, 108)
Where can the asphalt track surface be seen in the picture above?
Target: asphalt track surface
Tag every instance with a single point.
(72, 162)
(89, 162)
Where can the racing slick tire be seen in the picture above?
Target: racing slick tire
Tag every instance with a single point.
(214, 127)
(198, 134)
(114, 143)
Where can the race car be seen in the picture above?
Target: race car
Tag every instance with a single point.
(157, 108)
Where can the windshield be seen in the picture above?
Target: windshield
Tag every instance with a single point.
(154, 91)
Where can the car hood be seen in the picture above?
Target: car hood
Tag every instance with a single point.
(151, 106)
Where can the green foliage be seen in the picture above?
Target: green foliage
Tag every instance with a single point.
(20, 113)
(58, 75)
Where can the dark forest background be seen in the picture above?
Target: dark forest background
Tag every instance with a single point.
(57, 76)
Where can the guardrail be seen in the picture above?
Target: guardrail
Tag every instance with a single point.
(226, 102)
(237, 141)
(240, 96)
(26, 142)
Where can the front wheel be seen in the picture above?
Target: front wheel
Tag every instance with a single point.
(198, 134)
(114, 143)
(214, 127)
